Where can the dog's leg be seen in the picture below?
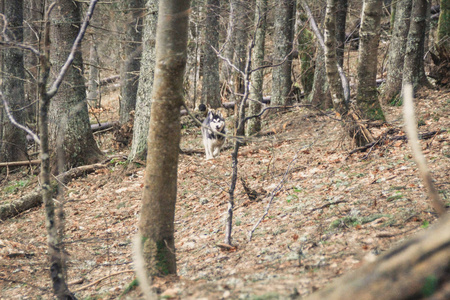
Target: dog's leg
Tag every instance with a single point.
(208, 147)
(216, 151)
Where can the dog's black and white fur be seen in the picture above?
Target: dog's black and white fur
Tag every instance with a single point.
(213, 142)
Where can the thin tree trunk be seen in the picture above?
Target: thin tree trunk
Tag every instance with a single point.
(257, 77)
(341, 18)
(239, 37)
(334, 80)
(93, 81)
(320, 94)
(397, 49)
(443, 30)
(33, 13)
(413, 72)
(144, 94)
(13, 145)
(283, 38)
(53, 224)
(156, 223)
(132, 51)
(211, 84)
(306, 50)
(367, 94)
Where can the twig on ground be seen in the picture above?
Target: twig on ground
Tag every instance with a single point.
(325, 205)
(101, 279)
(275, 191)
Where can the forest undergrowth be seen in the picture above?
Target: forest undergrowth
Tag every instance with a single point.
(333, 209)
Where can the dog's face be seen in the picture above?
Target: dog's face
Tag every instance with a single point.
(216, 121)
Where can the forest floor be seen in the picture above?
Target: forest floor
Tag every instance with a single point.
(331, 211)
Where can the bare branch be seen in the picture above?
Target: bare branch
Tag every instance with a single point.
(7, 42)
(55, 86)
(411, 132)
(227, 60)
(14, 122)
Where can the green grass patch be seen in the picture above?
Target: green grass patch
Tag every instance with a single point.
(344, 222)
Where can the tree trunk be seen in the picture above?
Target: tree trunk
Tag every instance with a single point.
(70, 129)
(238, 17)
(13, 140)
(334, 80)
(132, 51)
(442, 58)
(367, 94)
(349, 114)
(341, 18)
(156, 223)
(211, 83)
(416, 269)
(413, 72)
(306, 50)
(320, 94)
(257, 77)
(33, 13)
(282, 53)
(94, 76)
(144, 93)
(443, 30)
(397, 50)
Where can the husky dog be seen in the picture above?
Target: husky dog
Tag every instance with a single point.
(213, 142)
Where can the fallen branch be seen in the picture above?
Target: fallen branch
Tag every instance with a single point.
(101, 279)
(108, 80)
(20, 163)
(102, 126)
(421, 136)
(34, 199)
(325, 205)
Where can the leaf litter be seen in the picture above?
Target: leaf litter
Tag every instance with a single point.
(331, 212)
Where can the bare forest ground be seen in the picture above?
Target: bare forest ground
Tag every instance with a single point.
(332, 211)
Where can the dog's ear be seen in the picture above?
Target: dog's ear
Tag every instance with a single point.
(219, 113)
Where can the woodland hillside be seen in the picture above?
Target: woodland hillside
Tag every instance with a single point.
(332, 212)
(316, 180)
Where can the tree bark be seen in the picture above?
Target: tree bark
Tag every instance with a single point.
(13, 142)
(306, 50)
(257, 77)
(367, 94)
(443, 30)
(413, 71)
(341, 18)
(349, 113)
(70, 129)
(417, 269)
(144, 93)
(132, 51)
(211, 83)
(397, 50)
(156, 223)
(93, 81)
(283, 38)
(334, 80)
(239, 37)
